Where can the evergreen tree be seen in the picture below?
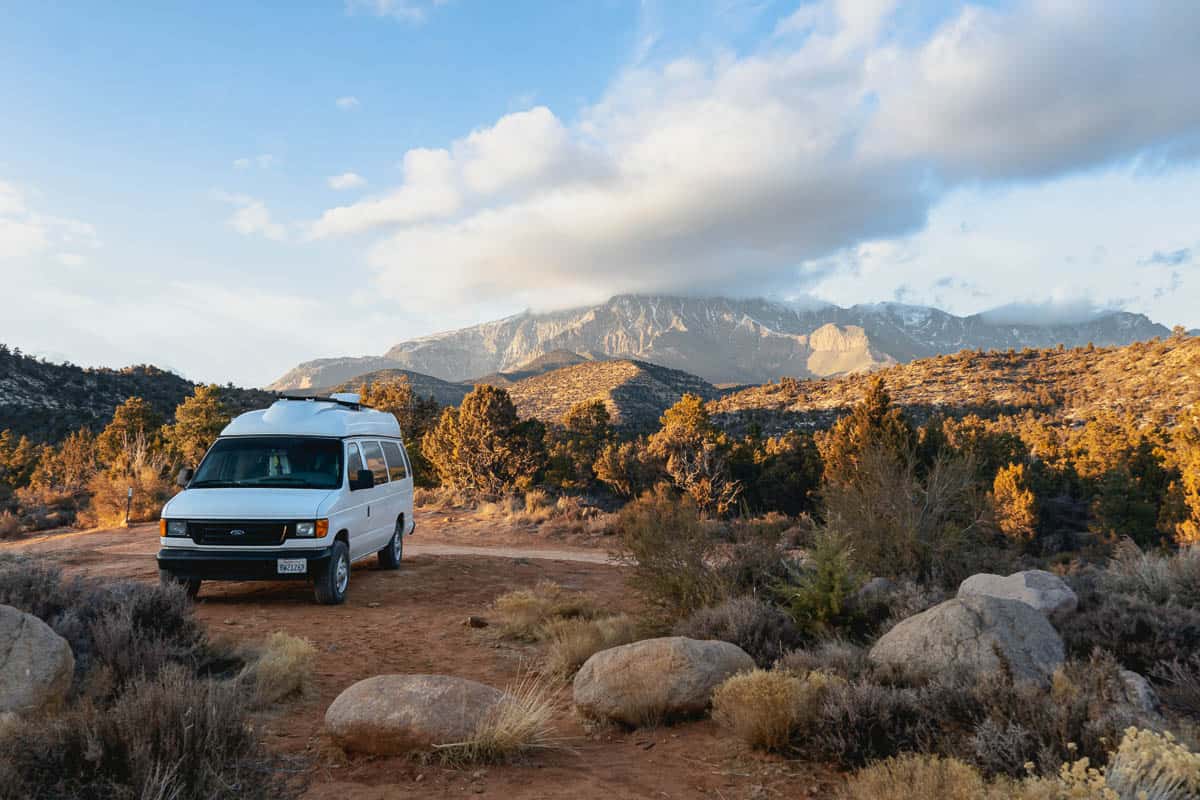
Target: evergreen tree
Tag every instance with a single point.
(198, 422)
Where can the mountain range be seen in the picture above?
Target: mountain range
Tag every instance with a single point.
(722, 340)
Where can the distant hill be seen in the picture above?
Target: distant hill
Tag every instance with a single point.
(446, 393)
(47, 401)
(635, 392)
(1148, 380)
(555, 359)
(723, 340)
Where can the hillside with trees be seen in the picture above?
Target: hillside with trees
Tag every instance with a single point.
(46, 401)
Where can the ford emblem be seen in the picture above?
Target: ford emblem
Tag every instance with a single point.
(237, 532)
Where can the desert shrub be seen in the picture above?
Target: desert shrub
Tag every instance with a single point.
(759, 628)
(117, 631)
(10, 526)
(917, 777)
(282, 668)
(525, 612)
(628, 469)
(518, 725)
(760, 707)
(173, 735)
(881, 609)
(902, 521)
(833, 656)
(1155, 577)
(1179, 684)
(1146, 766)
(1018, 723)
(1138, 632)
(661, 535)
(763, 707)
(1153, 765)
(151, 489)
(574, 641)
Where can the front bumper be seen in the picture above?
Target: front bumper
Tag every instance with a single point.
(239, 565)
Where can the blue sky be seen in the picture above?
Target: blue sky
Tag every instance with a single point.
(228, 190)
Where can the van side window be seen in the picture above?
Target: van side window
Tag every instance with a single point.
(396, 467)
(375, 462)
(354, 461)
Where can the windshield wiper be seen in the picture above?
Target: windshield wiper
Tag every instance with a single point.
(216, 483)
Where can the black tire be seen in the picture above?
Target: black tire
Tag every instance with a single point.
(190, 585)
(393, 552)
(331, 583)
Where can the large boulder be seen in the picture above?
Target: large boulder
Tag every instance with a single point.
(977, 633)
(394, 714)
(36, 664)
(655, 678)
(1044, 591)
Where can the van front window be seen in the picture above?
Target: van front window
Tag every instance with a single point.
(283, 462)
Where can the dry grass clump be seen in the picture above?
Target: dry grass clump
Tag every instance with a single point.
(283, 668)
(917, 777)
(574, 641)
(1179, 684)
(763, 708)
(518, 725)
(524, 612)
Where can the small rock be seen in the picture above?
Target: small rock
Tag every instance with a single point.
(671, 676)
(1139, 693)
(373, 604)
(230, 621)
(475, 622)
(395, 714)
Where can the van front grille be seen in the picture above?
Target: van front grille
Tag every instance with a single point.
(238, 534)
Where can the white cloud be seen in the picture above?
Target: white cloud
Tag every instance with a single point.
(347, 180)
(410, 11)
(428, 192)
(262, 161)
(252, 217)
(347, 103)
(72, 259)
(741, 171)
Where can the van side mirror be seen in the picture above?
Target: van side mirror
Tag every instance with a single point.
(184, 477)
(364, 479)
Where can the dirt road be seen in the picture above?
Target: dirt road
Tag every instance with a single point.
(411, 621)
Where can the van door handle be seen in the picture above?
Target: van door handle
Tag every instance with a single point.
(368, 510)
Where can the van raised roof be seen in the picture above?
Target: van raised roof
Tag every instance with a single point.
(336, 416)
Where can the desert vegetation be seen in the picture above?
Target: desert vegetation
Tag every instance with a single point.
(154, 708)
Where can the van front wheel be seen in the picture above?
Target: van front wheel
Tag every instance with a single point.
(332, 582)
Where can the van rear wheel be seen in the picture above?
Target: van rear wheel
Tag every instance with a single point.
(393, 553)
(190, 585)
(331, 583)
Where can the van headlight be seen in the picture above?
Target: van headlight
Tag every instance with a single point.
(176, 527)
(315, 529)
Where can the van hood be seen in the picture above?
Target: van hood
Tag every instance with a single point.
(245, 503)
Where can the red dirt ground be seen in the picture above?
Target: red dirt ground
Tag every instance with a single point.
(412, 621)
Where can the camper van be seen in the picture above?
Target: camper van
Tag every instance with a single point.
(299, 491)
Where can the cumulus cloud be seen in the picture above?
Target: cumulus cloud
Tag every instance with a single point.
(347, 103)
(252, 217)
(720, 173)
(1055, 311)
(347, 180)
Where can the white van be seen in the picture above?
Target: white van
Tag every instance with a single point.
(299, 490)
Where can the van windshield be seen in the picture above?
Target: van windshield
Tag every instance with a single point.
(283, 462)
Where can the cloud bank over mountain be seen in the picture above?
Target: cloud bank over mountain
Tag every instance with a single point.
(753, 169)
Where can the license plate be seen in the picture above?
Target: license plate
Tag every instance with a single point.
(291, 566)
